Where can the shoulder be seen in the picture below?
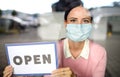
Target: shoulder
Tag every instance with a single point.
(97, 47)
(60, 42)
(97, 51)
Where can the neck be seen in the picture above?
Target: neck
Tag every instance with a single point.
(76, 45)
(75, 48)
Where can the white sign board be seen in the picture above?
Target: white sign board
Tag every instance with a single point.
(32, 58)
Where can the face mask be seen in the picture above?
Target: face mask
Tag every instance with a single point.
(78, 32)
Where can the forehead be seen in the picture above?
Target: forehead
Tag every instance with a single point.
(79, 12)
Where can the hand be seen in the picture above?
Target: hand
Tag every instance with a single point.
(8, 71)
(62, 72)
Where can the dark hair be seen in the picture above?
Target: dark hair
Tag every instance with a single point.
(73, 4)
(0, 12)
(14, 13)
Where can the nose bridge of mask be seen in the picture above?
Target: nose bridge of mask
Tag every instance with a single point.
(79, 27)
(82, 27)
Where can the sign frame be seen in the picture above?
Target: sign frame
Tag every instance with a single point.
(32, 43)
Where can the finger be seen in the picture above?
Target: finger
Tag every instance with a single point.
(61, 70)
(10, 74)
(7, 75)
(8, 67)
(67, 72)
(64, 69)
(61, 75)
(8, 71)
(66, 76)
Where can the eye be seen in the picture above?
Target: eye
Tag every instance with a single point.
(73, 20)
(86, 21)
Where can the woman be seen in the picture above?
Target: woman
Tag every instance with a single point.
(78, 56)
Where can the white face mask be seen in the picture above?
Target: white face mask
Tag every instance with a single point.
(78, 32)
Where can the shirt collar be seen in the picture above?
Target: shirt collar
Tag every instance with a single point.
(84, 52)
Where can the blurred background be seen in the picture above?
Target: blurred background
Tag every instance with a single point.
(23, 21)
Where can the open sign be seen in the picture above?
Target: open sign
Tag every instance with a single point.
(32, 58)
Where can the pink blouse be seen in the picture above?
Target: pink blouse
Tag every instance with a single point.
(94, 66)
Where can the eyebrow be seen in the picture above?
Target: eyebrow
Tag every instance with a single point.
(87, 18)
(72, 18)
(82, 18)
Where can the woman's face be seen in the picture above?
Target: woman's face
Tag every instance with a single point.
(78, 15)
